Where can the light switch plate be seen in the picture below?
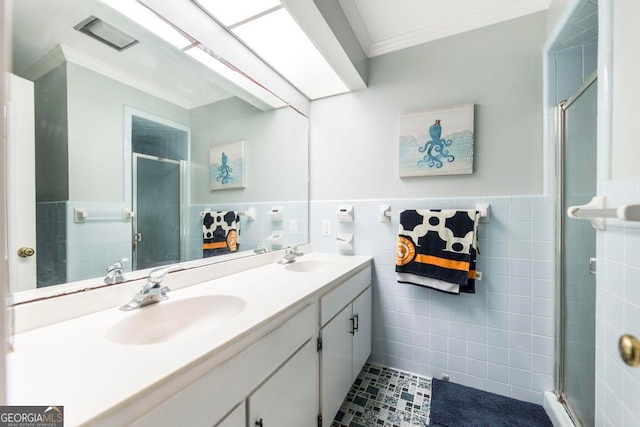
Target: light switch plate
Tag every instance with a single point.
(326, 227)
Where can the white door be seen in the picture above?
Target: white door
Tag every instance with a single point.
(289, 398)
(362, 337)
(335, 368)
(21, 184)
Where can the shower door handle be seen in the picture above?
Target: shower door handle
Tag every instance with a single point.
(137, 238)
(592, 266)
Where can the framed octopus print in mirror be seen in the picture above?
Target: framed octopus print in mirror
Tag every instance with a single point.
(437, 142)
(227, 168)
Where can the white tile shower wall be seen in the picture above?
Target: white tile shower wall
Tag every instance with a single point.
(576, 57)
(252, 233)
(500, 339)
(617, 309)
(95, 244)
(573, 66)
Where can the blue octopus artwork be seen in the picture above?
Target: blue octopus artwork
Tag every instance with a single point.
(224, 171)
(435, 149)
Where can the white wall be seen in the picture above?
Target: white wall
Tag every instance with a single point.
(276, 151)
(354, 137)
(501, 338)
(618, 293)
(625, 150)
(96, 138)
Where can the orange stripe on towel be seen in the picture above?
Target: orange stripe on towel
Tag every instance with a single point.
(442, 262)
(214, 245)
(472, 274)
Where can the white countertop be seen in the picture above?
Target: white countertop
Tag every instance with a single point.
(75, 365)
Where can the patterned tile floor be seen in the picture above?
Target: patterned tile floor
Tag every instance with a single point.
(385, 397)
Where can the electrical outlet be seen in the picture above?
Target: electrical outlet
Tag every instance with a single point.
(293, 226)
(326, 227)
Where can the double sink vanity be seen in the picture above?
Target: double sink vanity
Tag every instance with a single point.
(272, 345)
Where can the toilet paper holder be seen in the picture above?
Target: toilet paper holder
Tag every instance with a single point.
(344, 241)
(345, 213)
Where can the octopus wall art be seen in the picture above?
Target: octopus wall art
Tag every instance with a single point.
(437, 142)
(227, 166)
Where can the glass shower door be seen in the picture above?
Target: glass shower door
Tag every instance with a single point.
(157, 203)
(578, 246)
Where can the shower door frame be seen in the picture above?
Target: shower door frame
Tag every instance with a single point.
(561, 218)
(185, 222)
(134, 192)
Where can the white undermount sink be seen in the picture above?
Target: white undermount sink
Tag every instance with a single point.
(310, 266)
(167, 320)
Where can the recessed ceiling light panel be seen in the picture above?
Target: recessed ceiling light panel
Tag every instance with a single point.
(230, 12)
(235, 77)
(278, 39)
(106, 33)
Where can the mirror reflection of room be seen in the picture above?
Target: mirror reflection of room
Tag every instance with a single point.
(122, 134)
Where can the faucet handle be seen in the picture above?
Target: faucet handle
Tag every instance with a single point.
(157, 274)
(114, 272)
(117, 265)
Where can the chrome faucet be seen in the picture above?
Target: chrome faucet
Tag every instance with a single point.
(114, 272)
(152, 291)
(260, 249)
(291, 256)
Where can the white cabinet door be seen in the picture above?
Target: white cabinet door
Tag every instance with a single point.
(290, 397)
(237, 418)
(335, 367)
(362, 336)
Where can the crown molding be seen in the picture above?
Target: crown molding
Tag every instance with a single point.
(351, 11)
(460, 24)
(47, 63)
(62, 53)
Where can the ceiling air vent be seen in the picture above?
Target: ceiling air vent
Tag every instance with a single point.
(107, 34)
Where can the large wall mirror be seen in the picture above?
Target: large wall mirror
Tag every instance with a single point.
(138, 151)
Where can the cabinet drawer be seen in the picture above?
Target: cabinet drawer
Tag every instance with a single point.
(207, 400)
(337, 299)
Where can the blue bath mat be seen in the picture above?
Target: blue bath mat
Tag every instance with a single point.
(454, 405)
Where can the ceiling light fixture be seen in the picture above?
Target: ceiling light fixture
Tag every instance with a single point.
(279, 40)
(268, 29)
(148, 19)
(235, 76)
(229, 13)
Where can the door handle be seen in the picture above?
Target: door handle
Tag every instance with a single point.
(592, 266)
(353, 325)
(629, 347)
(357, 322)
(25, 252)
(137, 237)
(259, 423)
